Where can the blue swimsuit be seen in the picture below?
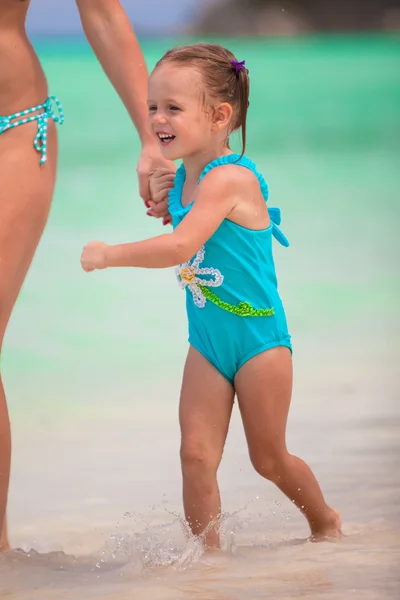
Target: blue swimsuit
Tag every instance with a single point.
(232, 301)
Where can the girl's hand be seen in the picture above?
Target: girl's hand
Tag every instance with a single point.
(151, 159)
(94, 256)
(160, 184)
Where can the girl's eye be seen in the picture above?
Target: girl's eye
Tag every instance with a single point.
(174, 108)
(152, 108)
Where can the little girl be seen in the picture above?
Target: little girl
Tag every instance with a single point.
(221, 245)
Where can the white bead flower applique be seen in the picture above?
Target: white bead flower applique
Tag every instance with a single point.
(188, 273)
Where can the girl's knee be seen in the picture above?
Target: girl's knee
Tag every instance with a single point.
(271, 466)
(197, 459)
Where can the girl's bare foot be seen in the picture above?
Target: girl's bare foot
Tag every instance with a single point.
(330, 529)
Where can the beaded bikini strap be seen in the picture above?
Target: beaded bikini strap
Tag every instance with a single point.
(40, 141)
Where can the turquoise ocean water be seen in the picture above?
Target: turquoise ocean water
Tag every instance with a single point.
(92, 363)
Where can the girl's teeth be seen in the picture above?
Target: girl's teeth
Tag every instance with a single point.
(166, 137)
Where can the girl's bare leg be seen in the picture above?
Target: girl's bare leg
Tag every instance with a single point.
(4, 545)
(264, 389)
(26, 191)
(204, 414)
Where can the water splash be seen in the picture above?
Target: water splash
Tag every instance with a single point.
(143, 546)
(152, 546)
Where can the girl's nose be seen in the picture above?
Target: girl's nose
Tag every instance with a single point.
(159, 118)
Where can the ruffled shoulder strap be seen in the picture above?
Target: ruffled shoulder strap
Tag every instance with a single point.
(243, 161)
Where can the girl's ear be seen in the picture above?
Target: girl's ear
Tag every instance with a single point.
(222, 116)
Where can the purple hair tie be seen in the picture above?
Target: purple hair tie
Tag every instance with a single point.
(239, 66)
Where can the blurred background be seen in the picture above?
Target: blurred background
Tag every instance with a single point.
(232, 17)
(92, 363)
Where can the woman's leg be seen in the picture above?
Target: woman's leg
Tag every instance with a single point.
(204, 414)
(26, 191)
(264, 389)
